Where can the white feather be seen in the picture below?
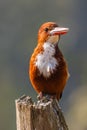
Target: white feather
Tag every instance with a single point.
(45, 61)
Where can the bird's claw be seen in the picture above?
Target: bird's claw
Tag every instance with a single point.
(46, 97)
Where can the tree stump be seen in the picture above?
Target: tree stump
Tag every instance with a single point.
(43, 115)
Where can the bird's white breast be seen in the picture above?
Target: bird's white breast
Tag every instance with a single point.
(45, 61)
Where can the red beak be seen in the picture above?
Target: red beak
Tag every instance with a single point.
(59, 31)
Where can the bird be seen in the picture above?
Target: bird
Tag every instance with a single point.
(48, 69)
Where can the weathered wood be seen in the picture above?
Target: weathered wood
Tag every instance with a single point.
(43, 115)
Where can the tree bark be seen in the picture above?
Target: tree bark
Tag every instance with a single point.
(43, 115)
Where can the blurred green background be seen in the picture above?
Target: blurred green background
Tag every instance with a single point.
(19, 23)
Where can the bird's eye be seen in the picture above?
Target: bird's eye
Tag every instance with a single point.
(46, 29)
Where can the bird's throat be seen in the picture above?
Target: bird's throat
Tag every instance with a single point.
(53, 39)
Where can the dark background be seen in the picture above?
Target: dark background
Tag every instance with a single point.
(19, 23)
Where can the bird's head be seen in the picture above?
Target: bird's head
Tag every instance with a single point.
(50, 32)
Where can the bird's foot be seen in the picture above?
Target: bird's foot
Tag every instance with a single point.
(46, 97)
(40, 96)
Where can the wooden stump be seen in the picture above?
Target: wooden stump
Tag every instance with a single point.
(43, 115)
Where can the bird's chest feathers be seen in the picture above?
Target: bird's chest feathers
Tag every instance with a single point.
(45, 61)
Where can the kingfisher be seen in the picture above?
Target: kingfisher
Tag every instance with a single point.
(48, 69)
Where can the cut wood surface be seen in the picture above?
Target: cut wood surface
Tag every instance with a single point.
(43, 115)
